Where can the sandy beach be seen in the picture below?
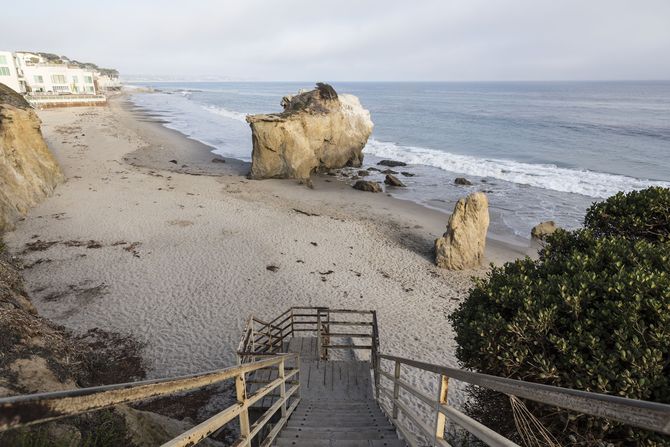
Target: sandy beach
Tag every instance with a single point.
(151, 237)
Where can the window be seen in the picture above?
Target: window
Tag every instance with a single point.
(88, 79)
(58, 79)
(38, 79)
(90, 88)
(74, 80)
(3, 60)
(4, 71)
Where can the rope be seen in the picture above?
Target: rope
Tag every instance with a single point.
(531, 430)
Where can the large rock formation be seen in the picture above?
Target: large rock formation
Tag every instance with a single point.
(28, 170)
(462, 246)
(318, 130)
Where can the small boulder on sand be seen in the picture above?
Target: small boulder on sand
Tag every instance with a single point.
(462, 246)
(544, 229)
(462, 181)
(392, 180)
(364, 185)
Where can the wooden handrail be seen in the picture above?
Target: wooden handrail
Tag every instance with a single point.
(21, 411)
(648, 415)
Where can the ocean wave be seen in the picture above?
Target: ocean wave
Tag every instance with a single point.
(238, 116)
(584, 182)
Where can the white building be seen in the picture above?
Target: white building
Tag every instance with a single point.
(107, 82)
(34, 74)
(9, 74)
(41, 76)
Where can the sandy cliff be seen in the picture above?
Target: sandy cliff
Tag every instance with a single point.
(28, 170)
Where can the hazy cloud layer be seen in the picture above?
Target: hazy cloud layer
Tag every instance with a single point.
(354, 40)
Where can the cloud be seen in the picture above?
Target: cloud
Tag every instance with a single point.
(356, 40)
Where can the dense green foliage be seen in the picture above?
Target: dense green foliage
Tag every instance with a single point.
(639, 214)
(592, 313)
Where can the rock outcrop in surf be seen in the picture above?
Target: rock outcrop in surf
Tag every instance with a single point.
(318, 130)
(462, 246)
(28, 170)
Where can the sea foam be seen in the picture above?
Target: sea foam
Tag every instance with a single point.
(547, 176)
(238, 116)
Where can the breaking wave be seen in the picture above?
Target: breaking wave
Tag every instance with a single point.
(238, 116)
(547, 176)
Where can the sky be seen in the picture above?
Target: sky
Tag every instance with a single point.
(353, 40)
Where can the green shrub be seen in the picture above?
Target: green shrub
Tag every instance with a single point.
(592, 313)
(639, 214)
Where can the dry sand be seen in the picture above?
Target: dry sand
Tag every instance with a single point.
(176, 254)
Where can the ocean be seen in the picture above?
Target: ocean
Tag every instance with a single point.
(540, 150)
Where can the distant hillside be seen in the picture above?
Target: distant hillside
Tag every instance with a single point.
(56, 59)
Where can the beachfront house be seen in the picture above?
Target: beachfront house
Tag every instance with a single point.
(43, 73)
(9, 74)
(56, 76)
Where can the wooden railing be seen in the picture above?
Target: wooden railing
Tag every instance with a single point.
(398, 397)
(21, 411)
(329, 326)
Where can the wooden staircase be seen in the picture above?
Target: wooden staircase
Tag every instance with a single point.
(338, 423)
(337, 407)
(315, 376)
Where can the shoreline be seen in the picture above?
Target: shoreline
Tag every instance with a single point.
(178, 256)
(198, 163)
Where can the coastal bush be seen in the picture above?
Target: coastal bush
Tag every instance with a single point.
(591, 313)
(638, 214)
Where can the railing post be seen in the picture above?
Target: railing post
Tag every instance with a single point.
(396, 389)
(292, 322)
(326, 336)
(299, 375)
(318, 333)
(282, 387)
(241, 390)
(281, 336)
(375, 352)
(271, 335)
(440, 418)
(376, 374)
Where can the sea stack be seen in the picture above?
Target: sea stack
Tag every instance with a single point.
(462, 246)
(318, 130)
(28, 170)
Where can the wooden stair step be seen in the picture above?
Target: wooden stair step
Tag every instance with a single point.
(316, 433)
(338, 420)
(348, 424)
(339, 443)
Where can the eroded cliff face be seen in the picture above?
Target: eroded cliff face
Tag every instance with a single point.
(318, 130)
(28, 170)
